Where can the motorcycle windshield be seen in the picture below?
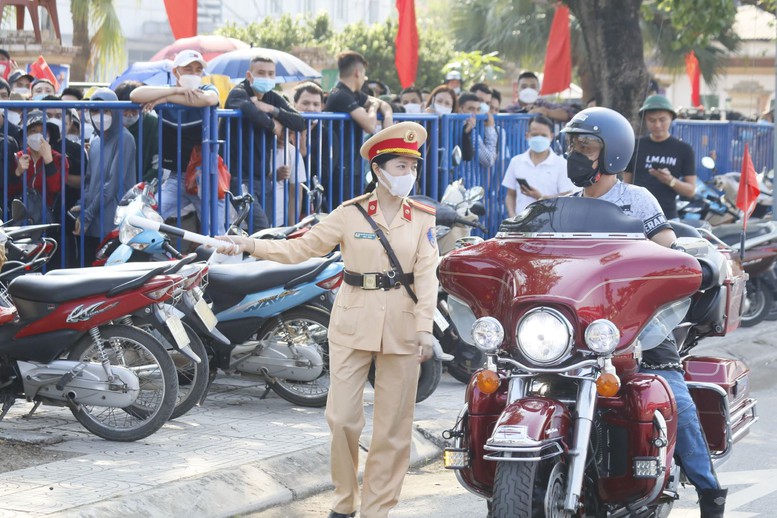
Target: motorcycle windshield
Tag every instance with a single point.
(581, 256)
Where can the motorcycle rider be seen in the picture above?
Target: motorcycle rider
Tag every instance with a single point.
(600, 143)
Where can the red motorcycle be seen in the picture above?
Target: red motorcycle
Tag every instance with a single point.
(560, 422)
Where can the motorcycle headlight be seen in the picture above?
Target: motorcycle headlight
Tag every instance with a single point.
(127, 232)
(544, 336)
(602, 336)
(488, 334)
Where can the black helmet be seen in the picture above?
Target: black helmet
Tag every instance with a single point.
(613, 129)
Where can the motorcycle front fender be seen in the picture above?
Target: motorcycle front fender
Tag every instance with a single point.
(121, 255)
(530, 429)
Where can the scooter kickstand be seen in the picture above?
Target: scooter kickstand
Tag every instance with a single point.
(267, 390)
(28, 415)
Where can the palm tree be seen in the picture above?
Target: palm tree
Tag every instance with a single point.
(104, 51)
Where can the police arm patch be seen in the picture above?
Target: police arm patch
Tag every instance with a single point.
(431, 235)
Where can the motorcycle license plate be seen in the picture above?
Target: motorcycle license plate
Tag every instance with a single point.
(206, 314)
(176, 329)
(440, 320)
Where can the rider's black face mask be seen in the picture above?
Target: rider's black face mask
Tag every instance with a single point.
(580, 169)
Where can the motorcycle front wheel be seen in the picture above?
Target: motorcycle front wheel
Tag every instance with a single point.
(429, 376)
(308, 327)
(143, 354)
(529, 489)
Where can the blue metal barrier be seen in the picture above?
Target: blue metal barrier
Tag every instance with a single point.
(328, 149)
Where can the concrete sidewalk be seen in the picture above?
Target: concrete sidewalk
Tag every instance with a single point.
(235, 454)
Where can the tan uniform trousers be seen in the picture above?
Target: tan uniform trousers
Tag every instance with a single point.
(396, 383)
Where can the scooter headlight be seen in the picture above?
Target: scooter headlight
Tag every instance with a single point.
(488, 334)
(602, 336)
(544, 336)
(151, 214)
(127, 232)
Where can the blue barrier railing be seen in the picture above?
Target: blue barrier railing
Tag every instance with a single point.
(328, 148)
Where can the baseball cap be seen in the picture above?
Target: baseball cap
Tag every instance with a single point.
(42, 80)
(18, 74)
(453, 75)
(188, 56)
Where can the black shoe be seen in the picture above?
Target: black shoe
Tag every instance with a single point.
(712, 502)
(335, 514)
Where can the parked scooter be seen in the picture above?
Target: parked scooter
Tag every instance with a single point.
(63, 349)
(560, 422)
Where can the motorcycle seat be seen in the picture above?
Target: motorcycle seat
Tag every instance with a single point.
(62, 288)
(253, 277)
(731, 234)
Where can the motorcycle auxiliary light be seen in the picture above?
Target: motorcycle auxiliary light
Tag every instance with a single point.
(602, 336)
(455, 458)
(608, 384)
(488, 334)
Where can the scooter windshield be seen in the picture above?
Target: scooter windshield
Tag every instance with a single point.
(572, 215)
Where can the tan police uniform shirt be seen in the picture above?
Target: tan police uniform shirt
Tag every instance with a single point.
(373, 320)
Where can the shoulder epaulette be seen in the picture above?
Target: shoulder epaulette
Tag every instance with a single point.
(357, 199)
(422, 207)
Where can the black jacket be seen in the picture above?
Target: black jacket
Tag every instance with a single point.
(240, 99)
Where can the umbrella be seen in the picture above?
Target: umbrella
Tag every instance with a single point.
(288, 68)
(210, 46)
(153, 73)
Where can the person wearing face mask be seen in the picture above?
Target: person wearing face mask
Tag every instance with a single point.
(529, 100)
(13, 117)
(453, 81)
(20, 82)
(112, 172)
(133, 120)
(40, 88)
(411, 99)
(320, 142)
(442, 101)
(486, 148)
(600, 143)
(538, 173)
(266, 116)
(189, 91)
(38, 165)
(398, 336)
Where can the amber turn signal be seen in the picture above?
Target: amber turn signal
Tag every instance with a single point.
(487, 381)
(608, 384)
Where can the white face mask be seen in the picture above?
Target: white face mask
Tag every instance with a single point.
(14, 117)
(528, 95)
(412, 108)
(34, 141)
(107, 120)
(130, 120)
(399, 186)
(190, 81)
(21, 91)
(441, 109)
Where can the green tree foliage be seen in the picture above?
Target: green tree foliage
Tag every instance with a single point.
(375, 42)
(104, 53)
(476, 67)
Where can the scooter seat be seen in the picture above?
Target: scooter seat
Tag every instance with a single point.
(253, 277)
(732, 234)
(62, 288)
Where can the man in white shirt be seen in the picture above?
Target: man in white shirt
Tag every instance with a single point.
(538, 173)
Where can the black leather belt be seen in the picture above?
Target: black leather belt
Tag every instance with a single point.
(377, 281)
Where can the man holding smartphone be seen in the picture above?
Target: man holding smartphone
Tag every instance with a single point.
(662, 164)
(538, 173)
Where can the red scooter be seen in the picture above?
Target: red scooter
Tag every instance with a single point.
(560, 423)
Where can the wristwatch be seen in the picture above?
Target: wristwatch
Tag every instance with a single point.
(674, 181)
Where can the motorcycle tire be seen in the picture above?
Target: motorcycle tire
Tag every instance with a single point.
(303, 325)
(760, 301)
(429, 377)
(772, 314)
(133, 348)
(193, 378)
(520, 489)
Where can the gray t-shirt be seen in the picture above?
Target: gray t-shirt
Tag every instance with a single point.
(637, 202)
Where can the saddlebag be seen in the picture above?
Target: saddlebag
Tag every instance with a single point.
(720, 387)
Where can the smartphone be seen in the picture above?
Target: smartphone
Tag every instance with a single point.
(524, 183)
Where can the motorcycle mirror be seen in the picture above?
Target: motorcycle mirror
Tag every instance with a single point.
(18, 210)
(474, 194)
(708, 162)
(478, 209)
(456, 156)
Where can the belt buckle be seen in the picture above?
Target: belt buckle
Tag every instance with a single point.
(370, 281)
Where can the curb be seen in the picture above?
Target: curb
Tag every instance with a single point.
(246, 488)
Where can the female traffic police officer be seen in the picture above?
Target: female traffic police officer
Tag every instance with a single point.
(374, 316)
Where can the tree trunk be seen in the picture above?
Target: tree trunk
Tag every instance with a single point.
(613, 41)
(81, 42)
